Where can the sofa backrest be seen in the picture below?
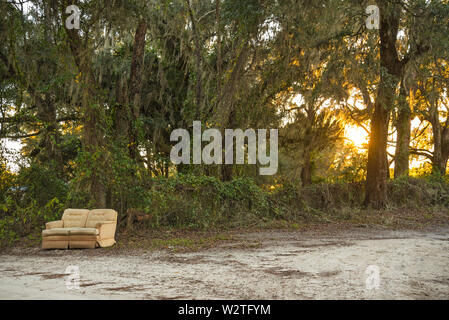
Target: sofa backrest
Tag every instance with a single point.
(100, 215)
(75, 218)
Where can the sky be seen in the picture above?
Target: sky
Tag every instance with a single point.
(10, 145)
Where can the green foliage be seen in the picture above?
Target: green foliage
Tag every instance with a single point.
(128, 182)
(16, 221)
(6, 179)
(419, 193)
(349, 165)
(245, 14)
(29, 199)
(205, 202)
(39, 184)
(93, 137)
(292, 202)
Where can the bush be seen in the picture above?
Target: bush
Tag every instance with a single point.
(418, 193)
(30, 198)
(294, 201)
(202, 202)
(6, 179)
(205, 202)
(17, 222)
(41, 184)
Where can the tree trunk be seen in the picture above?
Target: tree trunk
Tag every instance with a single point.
(377, 166)
(443, 165)
(135, 84)
(227, 169)
(121, 114)
(401, 162)
(49, 147)
(93, 137)
(391, 69)
(387, 164)
(437, 144)
(440, 142)
(306, 170)
(198, 63)
(93, 142)
(444, 150)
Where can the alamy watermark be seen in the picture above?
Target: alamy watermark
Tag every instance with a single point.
(372, 281)
(73, 21)
(212, 153)
(73, 279)
(372, 22)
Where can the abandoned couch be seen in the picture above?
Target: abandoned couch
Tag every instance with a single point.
(81, 228)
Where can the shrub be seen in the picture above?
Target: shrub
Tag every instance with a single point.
(18, 222)
(418, 193)
(204, 202)
(41, 185)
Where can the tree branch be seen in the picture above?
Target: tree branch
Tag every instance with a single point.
(422, 152)
(14, 137)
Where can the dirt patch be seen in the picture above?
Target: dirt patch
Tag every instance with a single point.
(184, 260)
(328, 273)
(127, 288)
(287, 273)
(43, 275)
(331, 264)
(320, 245)
(285, 254)
(28, 274)
(53, 276)
(443, 281)
(91, 284)
(166, 298)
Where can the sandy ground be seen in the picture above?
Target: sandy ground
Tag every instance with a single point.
(277, 265)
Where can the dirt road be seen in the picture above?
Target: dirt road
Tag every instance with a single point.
(275, 265)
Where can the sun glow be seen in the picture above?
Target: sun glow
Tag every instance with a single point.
(357, 136)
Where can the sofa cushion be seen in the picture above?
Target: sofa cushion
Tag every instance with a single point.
(100, 215)
(54, 224)
(83, 231)
(55, 232)
(75, 218)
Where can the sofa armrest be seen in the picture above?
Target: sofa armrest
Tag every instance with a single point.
(54, 224)
(106, 230)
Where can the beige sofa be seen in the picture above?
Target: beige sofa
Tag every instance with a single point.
(81, 228)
